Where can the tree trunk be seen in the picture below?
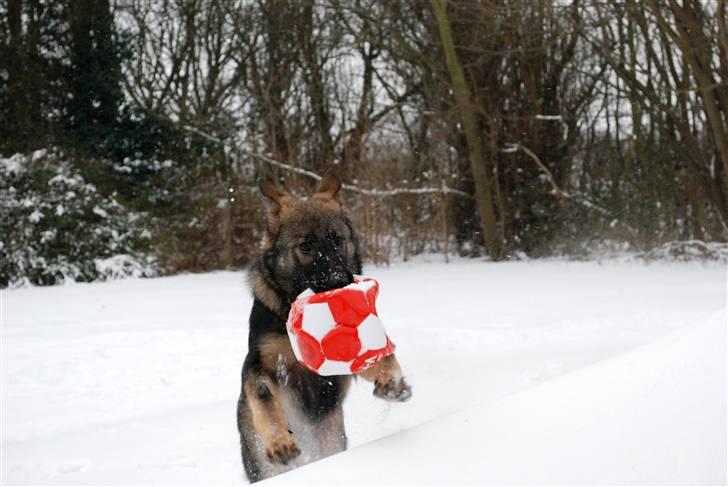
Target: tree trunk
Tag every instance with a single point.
(482, 177)
(19, 120)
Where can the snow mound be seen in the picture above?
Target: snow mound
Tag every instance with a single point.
(656, 414)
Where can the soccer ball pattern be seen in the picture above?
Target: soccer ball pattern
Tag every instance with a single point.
(338, 332)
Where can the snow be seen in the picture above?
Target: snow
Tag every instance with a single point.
(100, 212)
(591, 373)
(124, 265)
(36, 216)
(655, 415)
(12, 164)
(549, 117)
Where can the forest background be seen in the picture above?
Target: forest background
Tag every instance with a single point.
(132, 132)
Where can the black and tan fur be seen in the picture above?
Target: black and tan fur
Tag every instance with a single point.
(287, 415)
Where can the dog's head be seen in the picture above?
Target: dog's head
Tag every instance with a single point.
(308, 243)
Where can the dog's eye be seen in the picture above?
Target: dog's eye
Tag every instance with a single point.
(337, 240)
(305, 247)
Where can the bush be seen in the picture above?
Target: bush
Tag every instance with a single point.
(55, 226)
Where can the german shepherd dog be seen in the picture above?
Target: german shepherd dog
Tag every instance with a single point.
(287, 415)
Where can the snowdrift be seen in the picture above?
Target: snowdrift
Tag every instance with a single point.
(656, 414)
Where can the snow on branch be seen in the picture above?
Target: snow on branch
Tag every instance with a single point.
(555, 118)
(396, 191)
(549, 117)
(510, 148)
(444, 189)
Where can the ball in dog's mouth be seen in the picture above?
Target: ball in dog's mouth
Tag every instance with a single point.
(338, 331)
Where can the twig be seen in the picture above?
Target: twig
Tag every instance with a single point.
(546, 170)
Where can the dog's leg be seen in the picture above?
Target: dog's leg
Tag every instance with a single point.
(268, 418)
(389, 384)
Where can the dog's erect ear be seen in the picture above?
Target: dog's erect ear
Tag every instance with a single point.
(270, 191)
(330, 184)
(279, 202)
(329, 187)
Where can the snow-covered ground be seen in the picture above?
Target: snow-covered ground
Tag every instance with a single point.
(136, 381)
(654, 415)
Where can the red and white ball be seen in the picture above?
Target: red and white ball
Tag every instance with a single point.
(338, 332)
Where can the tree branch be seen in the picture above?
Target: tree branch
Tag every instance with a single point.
(444, 189)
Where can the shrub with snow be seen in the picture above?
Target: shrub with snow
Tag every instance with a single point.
(687, 250)
(56, 227)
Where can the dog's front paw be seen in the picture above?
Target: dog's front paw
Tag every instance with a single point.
(393, 389)
(282, 449)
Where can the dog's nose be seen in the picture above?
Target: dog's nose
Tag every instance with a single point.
(333, 279)
(341, 279)
(329, 270)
